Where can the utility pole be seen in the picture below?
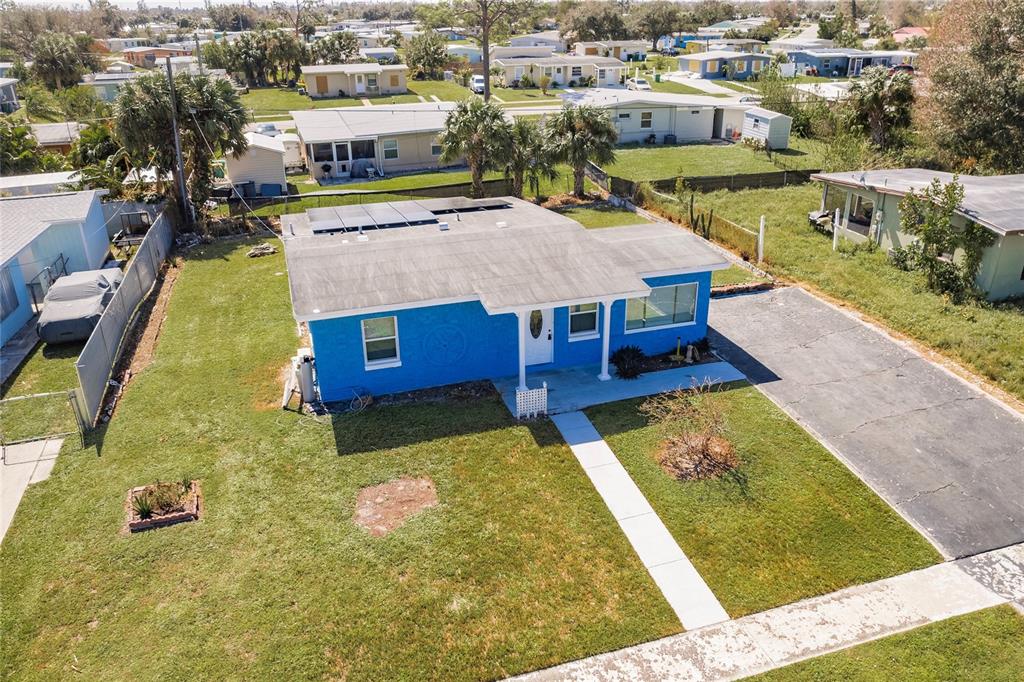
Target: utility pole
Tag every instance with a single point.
(186, 206)
(199, 53)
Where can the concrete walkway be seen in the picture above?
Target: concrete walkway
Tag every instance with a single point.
(575, 388)
(23, 464)
(945, 455)
(684, 589)
(810, 628)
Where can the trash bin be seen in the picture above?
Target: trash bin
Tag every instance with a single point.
(657, 78)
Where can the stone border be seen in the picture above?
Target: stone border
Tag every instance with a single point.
(193, 509)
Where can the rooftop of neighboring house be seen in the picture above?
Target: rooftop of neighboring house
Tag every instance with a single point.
(504, 252)
(347, 123)
(995, 201)
(834, 52)
(910, 31)
(9, 182)
(552, 35)
(610, 97)
(560, 60)
(615, 43)
(22, 219)
(352, 68)
(48, 134)
(712, 55)
(258, 141)
(109, 77)
(4, 82)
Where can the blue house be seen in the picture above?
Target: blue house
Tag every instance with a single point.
(41, 238)
(839, 62)
(724, 64)
(408, 295)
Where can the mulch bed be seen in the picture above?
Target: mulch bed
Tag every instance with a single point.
(189, 509)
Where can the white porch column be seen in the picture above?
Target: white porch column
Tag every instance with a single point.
(606, 332)
(521, 317)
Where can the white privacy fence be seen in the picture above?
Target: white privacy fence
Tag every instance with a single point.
(533, 402)
(98, 357)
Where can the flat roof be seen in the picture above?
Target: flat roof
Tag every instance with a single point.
(8, 182)
(353, 68)
(995, 201)
(561, 60)
(22, 219)
(349, 123)
(765, 113)
(722, 54)
(610, 97)
(56, 133)
(507, 253)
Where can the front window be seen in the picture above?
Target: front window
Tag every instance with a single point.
(646, 119)
(665, 306)
(394, 80)
(861, 210)
(390, 149)
(435, 148)
(322, 152)
(713, 66)
(756, 64)
(380, 341)
(601, 74)
(371, 81)
(583, 319)
(577, 71)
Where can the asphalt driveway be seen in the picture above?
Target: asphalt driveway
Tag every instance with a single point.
(948, 457)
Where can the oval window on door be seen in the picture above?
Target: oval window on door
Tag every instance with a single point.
(536, 323)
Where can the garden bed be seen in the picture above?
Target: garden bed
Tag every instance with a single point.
(163, 504)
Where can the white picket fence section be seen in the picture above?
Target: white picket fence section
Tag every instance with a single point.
(533, 402)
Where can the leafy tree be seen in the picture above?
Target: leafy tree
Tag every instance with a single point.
(883, 104)
(846, 38)
(230, 17)
(218, 54)
(784, 12)
(80, 102)
(427, 53)
(949, 255)
(491, 20)
(106, 173)
(211, 122)
(56, 59)
(285, 53)
(652, 20)
(252, 56)
(431, 16)
(394, 39)
(478, 131)
(337, 48)
(526, 158)
(595, 21)
(19, 151)
(302, 17)
(974, 112)
(578, 134)
(828, 29)
(708, 12)
(107, 18)
(95, 143)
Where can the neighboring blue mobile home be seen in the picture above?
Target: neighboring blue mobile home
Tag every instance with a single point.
(724, 64)
(840, 62)
(417, 294)
(41, 238)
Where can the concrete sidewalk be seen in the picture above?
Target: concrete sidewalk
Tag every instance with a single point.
(810, 628)
(684, 589)
(23, 464)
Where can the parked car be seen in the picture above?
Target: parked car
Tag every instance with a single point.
(268, 129)
(750, 99)
(902, 68)
(476, 84)
(637, 84)
(73, 305)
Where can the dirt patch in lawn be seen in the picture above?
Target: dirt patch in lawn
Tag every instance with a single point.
(382, 508)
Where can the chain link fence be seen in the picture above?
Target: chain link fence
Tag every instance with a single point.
(36, 417)
(97, 359)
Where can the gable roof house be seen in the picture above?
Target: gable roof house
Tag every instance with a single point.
(56, 137)
(409, 295)
(563, 69)
(904, 34)
(724, 64)
(868, 205)
(41, 238)
(106, 85)
(344, 142)
(355, 80)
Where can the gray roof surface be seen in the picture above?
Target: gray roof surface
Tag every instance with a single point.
(12, 182)
(353, 68)
(540, 258)
(56, 133)
(996, 201)
(346, 123)
(560, 60)
(22, 219)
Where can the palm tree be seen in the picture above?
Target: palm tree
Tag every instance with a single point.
(883, 105)
(477, 131)
(578, 134)
(527, 157)
(56, 59)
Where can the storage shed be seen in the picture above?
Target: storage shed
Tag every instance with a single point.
(261, 164)
(769, 126)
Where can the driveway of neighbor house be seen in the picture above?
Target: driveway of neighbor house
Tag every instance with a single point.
(943, 454)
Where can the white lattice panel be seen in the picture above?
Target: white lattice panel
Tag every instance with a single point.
(532, 402)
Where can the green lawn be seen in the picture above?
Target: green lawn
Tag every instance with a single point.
(520, 566)
(48, 369)
(533, 95)
(984, 337)
(802, 154)
(984, 646)
(602, 216)
(268, 102)
(734, 274)
(679, 88)
(806, 527)
(653, 163)
(742, 88)
(443, 90)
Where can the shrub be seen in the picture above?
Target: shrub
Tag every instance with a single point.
(526, 82)
(628, 361)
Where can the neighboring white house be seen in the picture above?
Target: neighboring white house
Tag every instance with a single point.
(34, 183)
(355, 80)
(518, 51)
(41, 238)
(549, 39)
(563, 70)
(8, 95)
(384, 55)
(626, 50)
(261, 164)
(768, 126)
(106, 85)
(471, 53)
(56, 137)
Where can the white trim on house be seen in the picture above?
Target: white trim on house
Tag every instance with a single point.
(384, 363)
(674, 325)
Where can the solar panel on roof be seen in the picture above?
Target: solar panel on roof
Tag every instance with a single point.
(413, 213)
(385, 215)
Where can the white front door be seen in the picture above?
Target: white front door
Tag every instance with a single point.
(360, 84)
(540, 338)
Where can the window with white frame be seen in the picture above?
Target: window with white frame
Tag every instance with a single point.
(577, 71)
(390, 148)
(665, 306)
(321, 152)
(757, 64)
(583, 319)
(8, 295)
(624, 114)
(380, 341)
(435, 148)
(601, 74)
(646, 119)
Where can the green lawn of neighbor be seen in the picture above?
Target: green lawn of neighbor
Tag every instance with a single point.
(533, 95)
(47, 369)
(519, 567)
(984, 646)
(680, 88)
(734, 274)
(807, 525)
(656, 162)
(444, 90)
(743, 88)
(985, 337)
(602, 216)
(279, 101)
(802, 154)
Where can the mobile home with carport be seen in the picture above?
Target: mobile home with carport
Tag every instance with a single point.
(409, 295)
(563, 70)
(355, 80)
(868, 203)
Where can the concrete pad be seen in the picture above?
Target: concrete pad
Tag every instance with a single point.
(23, 464)
(688, 594)
(651, 540)
(947, 457)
